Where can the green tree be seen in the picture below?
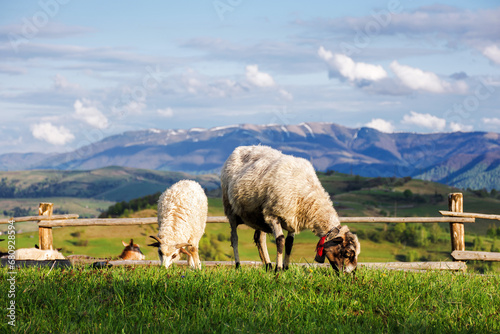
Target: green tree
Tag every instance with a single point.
(408, 194)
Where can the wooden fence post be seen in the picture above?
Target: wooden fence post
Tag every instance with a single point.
(456, 204)
(45, 233)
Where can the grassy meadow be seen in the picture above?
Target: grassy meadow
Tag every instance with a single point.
(249, 300)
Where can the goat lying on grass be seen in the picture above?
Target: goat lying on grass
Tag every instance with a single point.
(131, 252)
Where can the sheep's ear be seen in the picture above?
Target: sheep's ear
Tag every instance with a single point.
(124, 244)
(338, 240)
(182, 250)
(156, 238)
(320, 258)
(59, 249)
(335, 240)
(157, 243)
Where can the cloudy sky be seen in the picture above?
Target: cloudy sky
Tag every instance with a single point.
(75, 72)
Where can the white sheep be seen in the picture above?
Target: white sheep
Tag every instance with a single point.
(182, 217)
(38, 254)
(271, 192)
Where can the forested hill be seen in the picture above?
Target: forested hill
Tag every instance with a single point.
(111, 183)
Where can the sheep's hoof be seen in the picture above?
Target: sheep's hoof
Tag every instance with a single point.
(278, 269)
(237, 265)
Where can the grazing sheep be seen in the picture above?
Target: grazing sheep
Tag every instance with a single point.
(131, 251)
(182, 216)
(38, 254)
(271, 192)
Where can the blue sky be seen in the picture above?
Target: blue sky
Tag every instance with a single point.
(75, 72)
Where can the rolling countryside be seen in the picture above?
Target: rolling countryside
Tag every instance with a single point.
(107, 194)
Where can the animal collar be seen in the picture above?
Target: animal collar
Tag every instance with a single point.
(320, 246)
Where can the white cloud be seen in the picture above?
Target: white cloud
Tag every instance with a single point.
(491, 121)
(61, 82)
(51, 134)
(285, 94)
(381, 125)
(350, 69)
(493, 53)
(417, 79)
(257, 78)
(167, 112)
(88, 112)
(455, 127)
(424, 120)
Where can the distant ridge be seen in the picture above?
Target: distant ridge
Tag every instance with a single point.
(464, 160)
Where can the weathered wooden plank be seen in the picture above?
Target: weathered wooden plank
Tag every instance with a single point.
(99, 222)
(222, 219)
(351, 220)
(35, 218)
(415, 265)
(136, 262)
(363, 220)
(217, 219)
(470, 215)
(35, 263)
(475, 256)
(457, 266)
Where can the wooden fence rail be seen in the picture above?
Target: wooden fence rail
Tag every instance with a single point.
(223, 219)
(35, 218)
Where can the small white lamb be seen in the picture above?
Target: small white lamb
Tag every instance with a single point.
(38, 254)
(182, 217)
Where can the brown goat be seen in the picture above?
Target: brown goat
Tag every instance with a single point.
(131, 251)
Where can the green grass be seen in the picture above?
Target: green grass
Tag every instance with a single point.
(250, 300)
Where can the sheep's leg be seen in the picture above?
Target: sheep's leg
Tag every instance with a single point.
(194, 258)
(280, 240)
(234, 239)
(288, 248)
(260, 240)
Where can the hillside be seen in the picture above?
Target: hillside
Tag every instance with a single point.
(465, 160)
(359, 196)
(110, 183)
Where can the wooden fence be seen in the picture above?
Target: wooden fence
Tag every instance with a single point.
(454, 216)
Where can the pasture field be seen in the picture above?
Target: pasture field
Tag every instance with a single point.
(249, 300)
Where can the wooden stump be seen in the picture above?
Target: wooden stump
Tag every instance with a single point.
(457, 232)
(45, 240)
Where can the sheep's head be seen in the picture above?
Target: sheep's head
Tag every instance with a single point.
(168, 253)
(132, 251)
(341, 247)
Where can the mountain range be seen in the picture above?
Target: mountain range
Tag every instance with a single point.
(461, 159)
